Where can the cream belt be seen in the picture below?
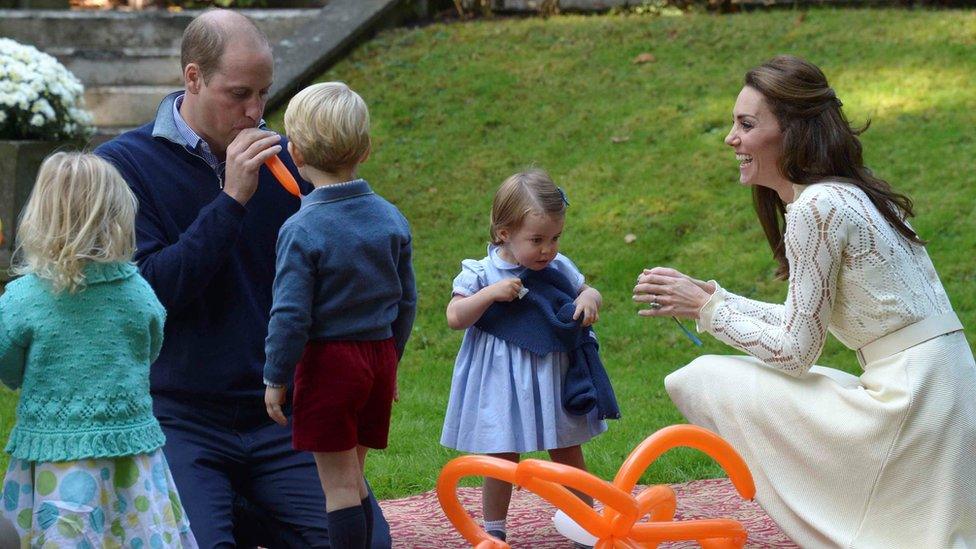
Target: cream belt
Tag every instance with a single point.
(908, 337)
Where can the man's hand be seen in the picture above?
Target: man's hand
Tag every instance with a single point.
(274, 399)
(245, 155)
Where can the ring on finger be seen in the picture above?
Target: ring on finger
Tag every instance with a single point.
(654, 304)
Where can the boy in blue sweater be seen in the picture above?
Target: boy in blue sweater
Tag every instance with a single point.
(344, 301)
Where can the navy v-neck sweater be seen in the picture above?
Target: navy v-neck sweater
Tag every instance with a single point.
(210, 260)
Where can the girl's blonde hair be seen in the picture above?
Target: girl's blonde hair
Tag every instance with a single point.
(80, 211)
(528, 192)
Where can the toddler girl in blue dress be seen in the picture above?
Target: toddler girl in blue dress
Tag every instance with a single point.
(506, 400)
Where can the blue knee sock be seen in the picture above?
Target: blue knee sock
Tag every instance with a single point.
(347, 528)
(368, 513)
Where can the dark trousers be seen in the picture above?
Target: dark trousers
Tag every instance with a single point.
(240, 481)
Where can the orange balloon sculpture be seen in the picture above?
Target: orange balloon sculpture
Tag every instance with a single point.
(617, 527)
(283, 176)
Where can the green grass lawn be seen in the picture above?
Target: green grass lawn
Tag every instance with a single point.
(638, 147)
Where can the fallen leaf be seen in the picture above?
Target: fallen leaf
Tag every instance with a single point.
(644, 58)
(630, 238)
(432, 190)
(620, 138)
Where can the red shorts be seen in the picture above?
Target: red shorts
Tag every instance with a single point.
(344, 395)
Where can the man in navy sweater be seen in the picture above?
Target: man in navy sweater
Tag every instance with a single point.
(209, 215)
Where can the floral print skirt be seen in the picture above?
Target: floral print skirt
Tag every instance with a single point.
(128, 501)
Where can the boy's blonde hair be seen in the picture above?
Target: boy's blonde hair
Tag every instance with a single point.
(80, 211)
(528, 192)
(329, 124)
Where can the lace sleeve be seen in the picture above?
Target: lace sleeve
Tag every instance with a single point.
(789, 337)
(767, 313)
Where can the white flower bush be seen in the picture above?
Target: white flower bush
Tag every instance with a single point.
(39, 97)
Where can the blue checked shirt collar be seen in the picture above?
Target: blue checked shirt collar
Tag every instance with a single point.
(190, 137)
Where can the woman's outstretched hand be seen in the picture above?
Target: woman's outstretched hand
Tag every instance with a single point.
(669, 292)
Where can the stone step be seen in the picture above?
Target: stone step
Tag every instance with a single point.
(116, 30)
(125, 105)
(129, 61)
(325, 37)
(130, 66)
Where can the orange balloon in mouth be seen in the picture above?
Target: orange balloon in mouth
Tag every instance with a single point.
(283, 176)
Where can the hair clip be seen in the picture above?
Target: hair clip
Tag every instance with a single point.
(562, 193)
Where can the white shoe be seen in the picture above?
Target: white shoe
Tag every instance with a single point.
(569, 529)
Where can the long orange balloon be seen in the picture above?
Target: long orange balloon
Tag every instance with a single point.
(617, 527)
(283, 176)
(531, 471)
(691, 436)
(447, 494)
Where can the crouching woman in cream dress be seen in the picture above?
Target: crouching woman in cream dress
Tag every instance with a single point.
(887, 459)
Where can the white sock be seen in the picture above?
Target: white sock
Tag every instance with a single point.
(498, 525)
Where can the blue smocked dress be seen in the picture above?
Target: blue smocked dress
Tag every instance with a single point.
(504, 398)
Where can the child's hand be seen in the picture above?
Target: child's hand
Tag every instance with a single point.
(274, 399)
(506, 290)
(588, 306)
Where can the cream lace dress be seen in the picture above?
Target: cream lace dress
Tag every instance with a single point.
(887, 459)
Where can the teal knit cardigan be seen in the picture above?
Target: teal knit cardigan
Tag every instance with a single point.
(83, 360)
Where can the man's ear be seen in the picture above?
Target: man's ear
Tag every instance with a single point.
(296, 155)
(192, 78)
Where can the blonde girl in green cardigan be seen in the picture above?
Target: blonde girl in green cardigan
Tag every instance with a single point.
(78, 332)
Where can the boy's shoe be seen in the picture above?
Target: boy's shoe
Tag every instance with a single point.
(497, 534)
(578, 545)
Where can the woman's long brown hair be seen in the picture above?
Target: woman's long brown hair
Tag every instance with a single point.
(819, 145)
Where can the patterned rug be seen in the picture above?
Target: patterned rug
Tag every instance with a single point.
(417, 522)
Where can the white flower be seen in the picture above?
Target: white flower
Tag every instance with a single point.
(43, 107)
(35, 87)
(57, 89)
